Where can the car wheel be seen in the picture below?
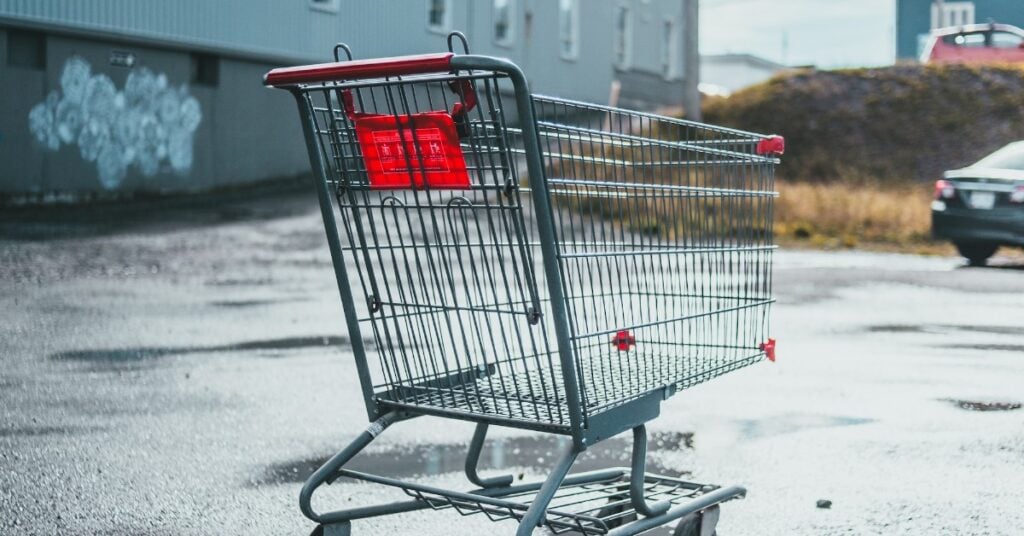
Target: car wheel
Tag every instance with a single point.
(976, 253)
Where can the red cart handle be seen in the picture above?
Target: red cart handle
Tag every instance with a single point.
(360, 69)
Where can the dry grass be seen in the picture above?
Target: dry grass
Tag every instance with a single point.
(846, 215)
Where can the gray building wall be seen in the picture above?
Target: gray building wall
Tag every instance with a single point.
(913, 19)
(247, 133)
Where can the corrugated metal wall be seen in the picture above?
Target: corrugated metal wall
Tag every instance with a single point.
(293, 30)
(247, 133)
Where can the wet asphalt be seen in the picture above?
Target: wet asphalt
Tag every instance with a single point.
(179, 366)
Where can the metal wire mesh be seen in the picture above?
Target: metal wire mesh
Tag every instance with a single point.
(663, 231)
(591, 506)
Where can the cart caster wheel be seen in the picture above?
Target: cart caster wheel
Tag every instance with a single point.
(701, 523)
(617, 509)
(613, 509)
(334, 529)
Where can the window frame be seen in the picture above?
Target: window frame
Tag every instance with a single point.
(626, 39)
(510, 29)
(670, 49)
(965, 11)
(574, 30)
(37, 41)
(446, 17)
(204, 70)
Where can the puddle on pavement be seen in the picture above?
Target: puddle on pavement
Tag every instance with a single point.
(530, 452)
(146, 353)
(977, 405)
(945, 329)
(240, 282)
(988, 347)
(37, 431)
(788, 424)
(238, 304)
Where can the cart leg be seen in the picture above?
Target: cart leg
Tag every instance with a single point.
(537, 509)
(328, 470)
(637, 477)
(473, 459)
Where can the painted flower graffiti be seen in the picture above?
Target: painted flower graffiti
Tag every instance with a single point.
(144, 125)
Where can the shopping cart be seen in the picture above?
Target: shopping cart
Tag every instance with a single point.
(533, 262)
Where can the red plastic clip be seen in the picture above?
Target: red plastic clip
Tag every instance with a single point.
(464, 89)
(772, 145)
(624, 340)
(348, 104)
(769, 349)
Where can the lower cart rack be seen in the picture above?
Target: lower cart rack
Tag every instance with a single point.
(617, 502)
(591, 503)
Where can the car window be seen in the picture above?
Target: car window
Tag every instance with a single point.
(1009, 157)
(1006, 40)
(966, 40)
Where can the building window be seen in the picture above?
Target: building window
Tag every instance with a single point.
(946, 14)
(504, 22)
(438, 12)
(26, 49)
(569, 28)
(623, 37)
(330, 6)
(669, 50)
(205, 70)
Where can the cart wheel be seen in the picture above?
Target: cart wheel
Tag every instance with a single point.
(337, 529)
(613, 509)
(617, 509)
(699, 523)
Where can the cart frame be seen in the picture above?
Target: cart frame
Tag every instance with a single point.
(643, 501)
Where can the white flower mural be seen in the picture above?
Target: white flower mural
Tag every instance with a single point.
(147, 125)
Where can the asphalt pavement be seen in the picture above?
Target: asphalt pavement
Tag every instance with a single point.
(180, 366)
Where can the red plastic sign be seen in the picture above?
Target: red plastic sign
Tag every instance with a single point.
(417, 151)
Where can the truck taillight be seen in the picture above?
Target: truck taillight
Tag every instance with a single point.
(944, 189)
(1017, 195)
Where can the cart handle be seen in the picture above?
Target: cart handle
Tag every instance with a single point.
(359, 69)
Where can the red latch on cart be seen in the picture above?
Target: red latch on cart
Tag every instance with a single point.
(624, 340)
(772, 146)
(769, 349)
(467, 95)
(412, 151)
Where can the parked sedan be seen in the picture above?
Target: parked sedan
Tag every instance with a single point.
(981, 207)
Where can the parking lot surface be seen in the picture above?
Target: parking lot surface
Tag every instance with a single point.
(179, 367)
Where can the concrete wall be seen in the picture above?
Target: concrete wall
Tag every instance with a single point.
(138, 138)
(913, 18)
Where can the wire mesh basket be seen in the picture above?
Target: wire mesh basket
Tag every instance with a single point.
(662, 239)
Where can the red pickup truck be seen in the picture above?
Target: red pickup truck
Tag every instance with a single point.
(975, 43)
